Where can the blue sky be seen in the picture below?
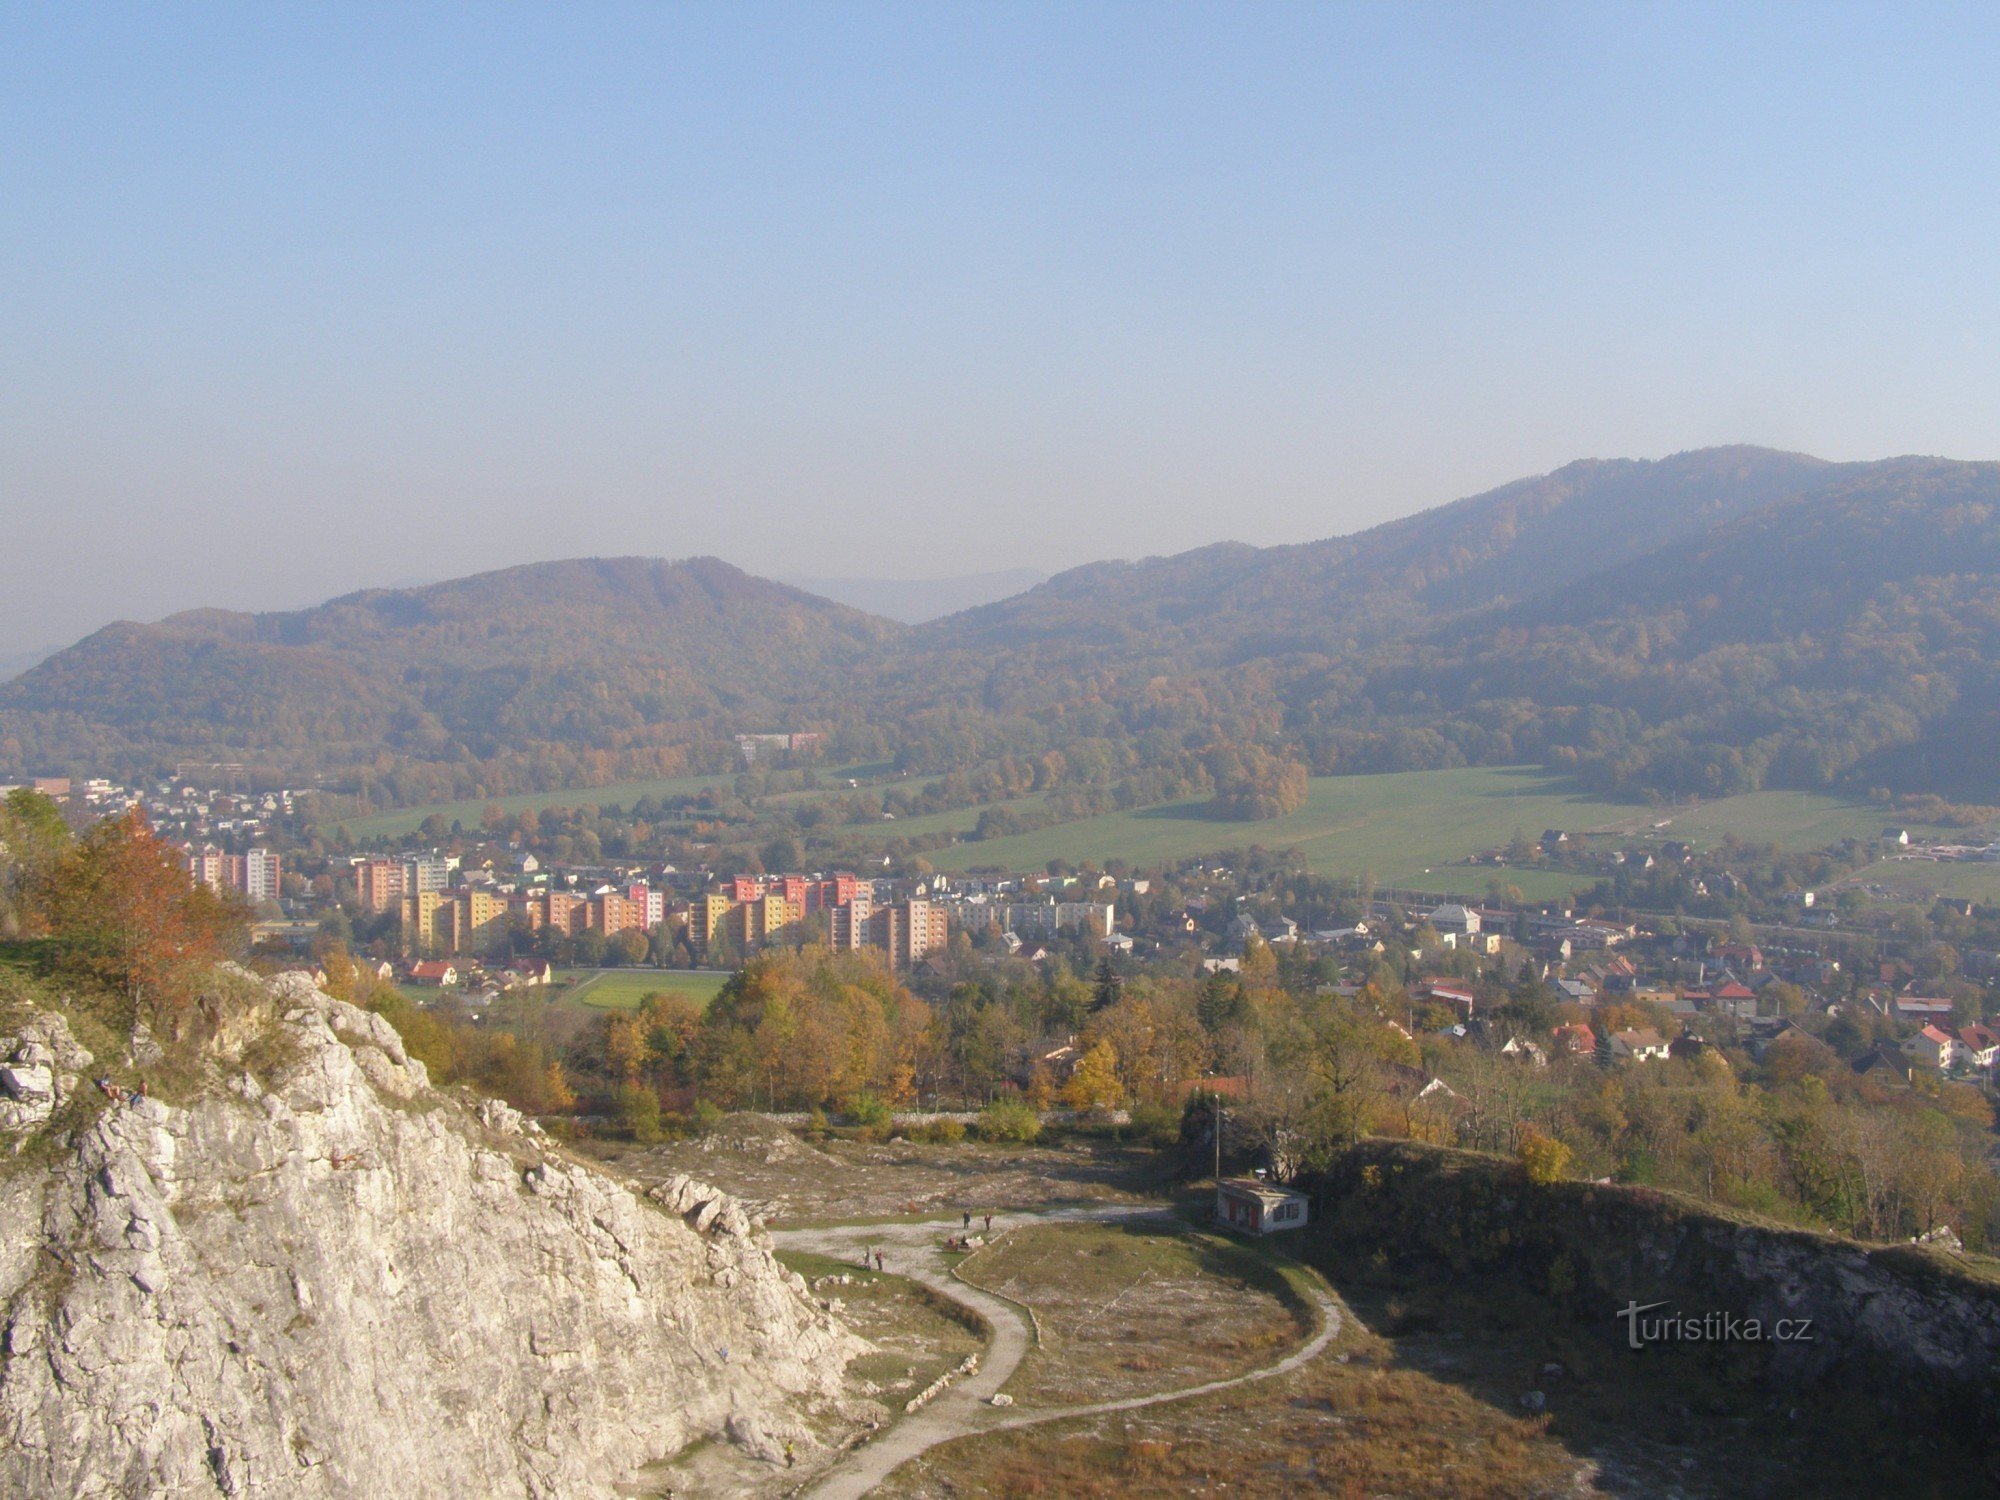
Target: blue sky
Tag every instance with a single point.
(299, 299)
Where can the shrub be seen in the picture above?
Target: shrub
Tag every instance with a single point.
(1156, 1124)
(705, 1117)
(870, 1112)
(1008, 1120)
(939, 1133)
(638, 1112)
(1544, 1158)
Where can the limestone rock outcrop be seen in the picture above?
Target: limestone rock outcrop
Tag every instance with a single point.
(341, 1281)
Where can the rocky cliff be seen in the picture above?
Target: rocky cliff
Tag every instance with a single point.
(313, 1274)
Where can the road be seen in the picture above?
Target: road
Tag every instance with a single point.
(962, 1409)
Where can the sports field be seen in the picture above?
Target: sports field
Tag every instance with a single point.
(623, 989)
(1415, 828)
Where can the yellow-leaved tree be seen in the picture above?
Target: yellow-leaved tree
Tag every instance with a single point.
(1094, 1085)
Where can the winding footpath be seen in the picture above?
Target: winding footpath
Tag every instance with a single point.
(962, 1409)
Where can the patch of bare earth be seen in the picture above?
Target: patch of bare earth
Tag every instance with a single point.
(791, 1181)
(1137, 1308)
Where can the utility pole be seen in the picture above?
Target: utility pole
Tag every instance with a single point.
(1216, 1123)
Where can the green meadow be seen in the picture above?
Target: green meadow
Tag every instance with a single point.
(622, 794)
(1417, 827)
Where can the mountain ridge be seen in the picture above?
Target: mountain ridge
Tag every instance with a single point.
(1563, 617)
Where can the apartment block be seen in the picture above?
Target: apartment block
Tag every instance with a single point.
(378, 884)
(905, 930)
(254, 875)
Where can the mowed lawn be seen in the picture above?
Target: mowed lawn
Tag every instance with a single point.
(623, 989)
(1416, 827)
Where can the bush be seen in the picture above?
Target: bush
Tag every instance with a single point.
(1009, 1120)
(939, 1133)
(1156, 1124)
(1544, 1158)
(705, 1117)
(638, 1113)
(869, 1112)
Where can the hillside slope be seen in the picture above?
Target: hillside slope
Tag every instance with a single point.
(1709, 622)
(589, 652)
(1826, 635)
(336, 1281)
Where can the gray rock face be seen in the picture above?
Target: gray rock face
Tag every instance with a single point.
(40, 1071)
(351, 1284)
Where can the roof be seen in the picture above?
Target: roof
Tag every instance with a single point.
(1264, 1192)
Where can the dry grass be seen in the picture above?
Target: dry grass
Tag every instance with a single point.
(1358, 1429)
(1134, 1309)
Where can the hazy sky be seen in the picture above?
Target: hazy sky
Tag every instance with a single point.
(296, 299)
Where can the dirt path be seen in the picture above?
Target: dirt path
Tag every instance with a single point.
(911, 1250)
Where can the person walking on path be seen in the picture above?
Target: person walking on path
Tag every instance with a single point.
(968, 1218)
(878, 1260)
(989, 1223)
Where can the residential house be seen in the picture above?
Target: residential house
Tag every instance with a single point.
(1454, 920)
(1978, 1045)
(1933, 1047)
(1524, 1050)
(1884, 1064)
(434, 972)
(1576, 1040)
(1641, 1044)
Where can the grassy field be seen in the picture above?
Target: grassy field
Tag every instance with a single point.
(1125, 1310)
(623, 989)
(406, 819)
(1413, 827)
(624, 793)
(1922, 879)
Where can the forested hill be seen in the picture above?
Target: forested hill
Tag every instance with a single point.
(1713, 621)
(1522, 540)
(1849, 632)
(596, 655)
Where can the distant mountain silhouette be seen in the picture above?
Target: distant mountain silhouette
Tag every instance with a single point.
(1706, 622)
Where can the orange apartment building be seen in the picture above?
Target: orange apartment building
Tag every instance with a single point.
(905, 930)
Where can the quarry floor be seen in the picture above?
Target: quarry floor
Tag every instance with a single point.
(1139, 1352)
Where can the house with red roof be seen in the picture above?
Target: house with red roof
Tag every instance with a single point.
(1933, 1047)
(1576, 1040)
(1978, 1045)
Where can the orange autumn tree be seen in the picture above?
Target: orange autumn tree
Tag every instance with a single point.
(123, 911)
